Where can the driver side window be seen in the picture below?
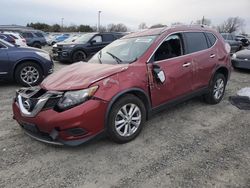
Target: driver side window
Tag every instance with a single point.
(170, 48)
(97, 39)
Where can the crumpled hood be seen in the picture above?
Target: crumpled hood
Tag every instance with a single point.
(243, 54)
(79, 76)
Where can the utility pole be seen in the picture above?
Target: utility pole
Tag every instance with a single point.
(62, 24)
(99, 20)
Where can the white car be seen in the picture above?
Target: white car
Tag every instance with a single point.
(19, 40)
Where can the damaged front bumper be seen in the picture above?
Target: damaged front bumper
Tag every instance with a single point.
(34, 110)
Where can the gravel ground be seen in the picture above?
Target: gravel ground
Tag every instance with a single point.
(190, 145)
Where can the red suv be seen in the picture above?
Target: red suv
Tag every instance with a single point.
(123, 84)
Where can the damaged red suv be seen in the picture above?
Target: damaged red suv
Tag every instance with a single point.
(124, 84)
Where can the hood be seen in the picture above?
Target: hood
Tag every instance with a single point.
(30, 49)
(243, 54)
(79, 76)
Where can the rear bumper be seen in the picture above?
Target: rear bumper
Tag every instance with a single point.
(240, 63)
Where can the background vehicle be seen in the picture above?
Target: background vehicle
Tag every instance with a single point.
(34, 38)
(19, 40)
(243, 39)
(27, 66)
(231, 40)
(83, 47)
(59, 38)
(7, 38)
(241, 59)
(124, 83)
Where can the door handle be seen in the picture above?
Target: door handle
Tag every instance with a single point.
(212, 55)
(186, 64)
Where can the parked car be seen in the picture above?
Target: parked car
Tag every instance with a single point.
(19, 40)
(7, 38)
(34, 38)
(68, 40)
(83, 47)
(59, 38)
(124, 84)
(25, 65)
(243, 39)
(241, 59)
(231, 40)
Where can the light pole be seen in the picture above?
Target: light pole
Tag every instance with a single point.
(62, 23)
(99, 20)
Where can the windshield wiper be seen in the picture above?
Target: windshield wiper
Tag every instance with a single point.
(118, 60)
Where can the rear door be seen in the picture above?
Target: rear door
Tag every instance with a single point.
(4, 61)
(175, 70)
(202, 57)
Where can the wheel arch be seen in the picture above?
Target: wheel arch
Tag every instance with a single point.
(141, 94)
(223, 70)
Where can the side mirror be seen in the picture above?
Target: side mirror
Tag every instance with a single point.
(92, 42)
(158, 73)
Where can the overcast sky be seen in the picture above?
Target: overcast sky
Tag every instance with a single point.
(129, 12)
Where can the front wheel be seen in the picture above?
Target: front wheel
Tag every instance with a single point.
(217, 89)
(29, 74)
(126, 119)
(79, 56)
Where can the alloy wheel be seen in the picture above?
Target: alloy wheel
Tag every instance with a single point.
(218, 89)
(29, 75)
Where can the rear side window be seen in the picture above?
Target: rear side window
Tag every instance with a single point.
(27, 35)
(107, 37)
(39, 34)
(211, 39)
(14, 37)
(196, 41)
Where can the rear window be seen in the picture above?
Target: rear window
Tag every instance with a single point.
(211, 39)
(14, 37)
(196, 41)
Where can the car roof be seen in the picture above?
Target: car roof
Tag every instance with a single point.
(159, 31)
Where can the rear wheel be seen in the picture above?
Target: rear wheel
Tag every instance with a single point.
(217, 89)
(79, 56)
(29, 74)
(37, 45)
(126, 119)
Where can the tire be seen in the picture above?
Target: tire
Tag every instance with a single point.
(79, 56)
(29, 74)
(216, 90)
(118, 126)
(37, 45)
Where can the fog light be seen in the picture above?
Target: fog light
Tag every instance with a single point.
(76, 132)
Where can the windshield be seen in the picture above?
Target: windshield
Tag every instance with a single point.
(123, 50)
(85, 38)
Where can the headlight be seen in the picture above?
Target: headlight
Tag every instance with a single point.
(234, 56)
(73, 98)
(55, 45)
(44, 55)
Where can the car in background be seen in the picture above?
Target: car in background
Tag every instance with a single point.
(7, 38)
(59, 38)
(34, 38)
(241, 59)
(19, 40)
(243, 39)
(72, 38)
(231, 40)
(84, 47)
(122, 85)
(25, 65)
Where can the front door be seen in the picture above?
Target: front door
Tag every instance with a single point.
(177, 70)
(4, 62)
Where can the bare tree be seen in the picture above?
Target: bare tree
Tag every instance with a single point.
(231, 25)
(142, 26)
(117, 28)
(158, 26)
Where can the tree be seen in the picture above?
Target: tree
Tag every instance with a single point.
(84, 28)
(158, 26)
(204, 21)
(231, 25)
(142, 26)
(117, 28)
(55, 28)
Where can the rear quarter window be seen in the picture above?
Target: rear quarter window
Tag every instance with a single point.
(195, 41)
(107, 37)
(211, 39)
